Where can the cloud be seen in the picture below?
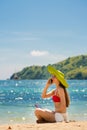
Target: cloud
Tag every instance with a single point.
(38, 53)
(37, 57)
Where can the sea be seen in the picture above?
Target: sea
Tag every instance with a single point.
(18, 99)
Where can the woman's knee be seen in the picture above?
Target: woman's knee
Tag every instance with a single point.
(37, 111)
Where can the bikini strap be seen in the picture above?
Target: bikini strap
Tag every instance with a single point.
(56, 92)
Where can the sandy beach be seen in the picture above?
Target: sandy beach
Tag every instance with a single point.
(78, 125)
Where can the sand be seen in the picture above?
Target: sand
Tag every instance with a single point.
(78, 125)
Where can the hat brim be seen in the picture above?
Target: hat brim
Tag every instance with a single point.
(59, 75)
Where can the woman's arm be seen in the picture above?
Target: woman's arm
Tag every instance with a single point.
(44, 93)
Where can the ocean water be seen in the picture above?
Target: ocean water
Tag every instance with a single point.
(18, 99)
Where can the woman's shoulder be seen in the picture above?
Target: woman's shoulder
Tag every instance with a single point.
(61, 90)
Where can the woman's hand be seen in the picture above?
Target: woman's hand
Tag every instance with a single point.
(44, 93)
(49, 82)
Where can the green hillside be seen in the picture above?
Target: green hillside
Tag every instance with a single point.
(72, 67)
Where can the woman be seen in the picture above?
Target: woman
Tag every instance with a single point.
(59, 96)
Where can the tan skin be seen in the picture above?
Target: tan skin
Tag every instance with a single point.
(59, 106)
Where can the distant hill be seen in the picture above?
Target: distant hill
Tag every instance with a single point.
(72, 67)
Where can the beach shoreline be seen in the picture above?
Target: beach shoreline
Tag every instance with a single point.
(78, 125)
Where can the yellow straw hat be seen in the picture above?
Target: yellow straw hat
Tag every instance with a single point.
(59, 75)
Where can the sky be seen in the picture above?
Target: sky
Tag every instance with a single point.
(40, 32)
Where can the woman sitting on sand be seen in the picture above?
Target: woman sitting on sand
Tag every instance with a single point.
(59, 96)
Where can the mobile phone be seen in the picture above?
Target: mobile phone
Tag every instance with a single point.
(51, 81)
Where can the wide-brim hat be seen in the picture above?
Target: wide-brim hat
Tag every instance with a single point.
(59, 75)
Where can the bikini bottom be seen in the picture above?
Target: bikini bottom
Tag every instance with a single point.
(59, 117)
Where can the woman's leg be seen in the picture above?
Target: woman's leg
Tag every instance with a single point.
(45, 114)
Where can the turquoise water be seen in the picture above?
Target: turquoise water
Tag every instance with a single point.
(18, 99)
